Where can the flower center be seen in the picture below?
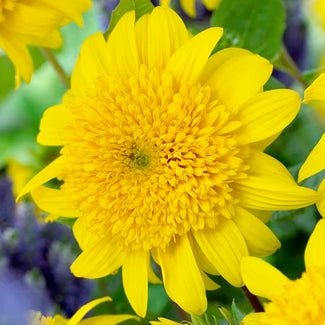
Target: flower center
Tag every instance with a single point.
(5, 5)
(302, 303)
(149, 159)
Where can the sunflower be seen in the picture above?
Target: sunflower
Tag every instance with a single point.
(162, 156)
(315, 162)
(189, 5)
(36, 23)
(36, 318)
(299, 302)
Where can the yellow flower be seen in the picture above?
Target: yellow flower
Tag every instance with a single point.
(189, 5)
(162, 156)
(36, 318)
(164, 321)
(298, 302)
(35, 23)
(315, 162)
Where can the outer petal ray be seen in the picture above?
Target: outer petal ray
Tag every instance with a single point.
(224, 247)
(261, 278)
(181, 274)
(316, 90)
(272, 187)
(107, 319)
(135, 280)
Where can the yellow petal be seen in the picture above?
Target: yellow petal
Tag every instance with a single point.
(166, 33)
(209, 284)
(54, 201)
(93, 61)
(315, 161)
(261, 278)
(271, 187)
(58, 320)
(239, 79)
(224, 247)
(164, 321)
(54, 121)
(252, 319)
(218, 59)
(189, 7)
(316, 91)
(267, 114)
(189, 60)
(263, 215)
(107, 319)
(211, 4)
(79, 315)
(84, 237)
(321, 203)
(259, 238)
(135, 280)
(51, 171)
(182, 275)
(164, 2)
(315, 249)
(52, 40)
(122, 47)
(152, 277)
(18, 53)
(100, 259)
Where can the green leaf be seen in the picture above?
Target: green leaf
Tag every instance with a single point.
(123, 7)
(273, 83)
(254, 25)
(227, 315)
(7, 78)
(143, 7)
(238, 315)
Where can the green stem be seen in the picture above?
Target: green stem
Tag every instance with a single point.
(253, 300)
(290, 65)
(48, 54)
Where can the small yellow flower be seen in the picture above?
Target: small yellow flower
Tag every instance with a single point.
(298, 302)
(189, 5)
(162, 156)
(35, 23)
(36, 318)
(315, 162)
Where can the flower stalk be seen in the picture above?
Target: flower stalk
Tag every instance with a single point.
(253, 300)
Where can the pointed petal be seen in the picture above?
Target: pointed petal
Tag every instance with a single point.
(55, 119)
(261, 278)
(252, 319)
(315, 161)
(100, 259)
(18, 53)
(189, 60)
(121, 43)
(135, 280)
(271, 187)
(259, 238)
(211, 4)
(54, 201)
(181, 274)
(209, 284)
(93, 61)
(84, 237)
(107, 319)
(189, 7)
(316, 91)
(321, 203)
(267, 114)
(164, 321)
(51, 171)
(224, 247)
(166, 33)
(218, 59)
(79, 315)
(315, 249)
(239, 79)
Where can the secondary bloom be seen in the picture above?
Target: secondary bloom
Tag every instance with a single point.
(36, 23)
(36, 318)
(315, 162)
(189, 5)
(162, 156)
(299, 302)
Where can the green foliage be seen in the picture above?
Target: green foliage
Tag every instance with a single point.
(143, 7)
(255, 25)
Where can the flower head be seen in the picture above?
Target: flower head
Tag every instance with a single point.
(35, 23)
(36, 318)
(299, 302)
(189, 5)
(162, 156)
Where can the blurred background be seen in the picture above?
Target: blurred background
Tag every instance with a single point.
(35, 255)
